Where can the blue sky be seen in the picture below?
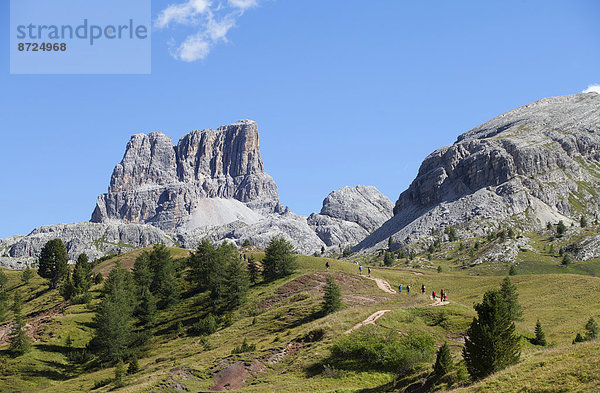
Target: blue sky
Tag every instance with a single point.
(344, 92)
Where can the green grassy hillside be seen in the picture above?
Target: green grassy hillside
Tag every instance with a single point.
(280, 319)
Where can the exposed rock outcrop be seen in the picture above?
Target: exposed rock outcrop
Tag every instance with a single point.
(531, 165)
(350, 214)
(94, 239)
(164, 185)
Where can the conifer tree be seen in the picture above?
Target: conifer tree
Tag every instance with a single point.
(509, 293)
(236, 284)
(27, 275)
(561, 228)
(134, 366)
(146, 308)
(332, 300)
(113, 320)
(82, 280)
(591, 329)
(279, 260)
(566, 261)
(202, 263)
(252, 270)
(540, 337)
(19, 342)
(390, 243)
(53, 262)
(120, 374)
(443, 362)
(388, 258)
(512, 271)
(491, 343)
(164, 283)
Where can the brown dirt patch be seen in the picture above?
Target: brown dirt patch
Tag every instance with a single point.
(289, 349)
(313, 283)
(35, 322)
(232, 377)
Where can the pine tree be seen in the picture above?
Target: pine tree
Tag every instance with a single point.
(388, 258)
(491, 343)
(164, 283)
(279, 260)
(322, 250)
(509, 293)
(27, 275)
(578, 339)
(566, 261)
(19, 342)
(540, 337)
(53, 262)
(332, 300)
(443, 362)
(561, 228)
(146, 308)
(134, 366)
(583, 222)
(202, 265)
(120, 374)
(236, 284)
(591, 329)
(390, 243)
(252, 270)
(82, 280)
(512, 271)
(114, 318)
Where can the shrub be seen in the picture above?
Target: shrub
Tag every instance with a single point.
(314, 335)
(377, 350)
(134, 366)
(205, 326)
(245, 347)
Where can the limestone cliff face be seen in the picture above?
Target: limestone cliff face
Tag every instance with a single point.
(537, 163)
(161, 184)
(349, 214)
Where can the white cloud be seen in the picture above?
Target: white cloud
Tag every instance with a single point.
(243, 4)
(217, 30)
(185, 13)
(195, 47)
(592, 89)
(214, 23)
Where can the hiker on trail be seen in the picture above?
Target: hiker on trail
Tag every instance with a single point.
(400, 288)
(442, 295)
(244, 257)
(423, 289)
(369, 270)
(445, 296)
(433, 295)
(360, 269)
(327, 265)
(408, 289)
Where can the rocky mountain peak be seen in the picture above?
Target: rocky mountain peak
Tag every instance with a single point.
(537, 163)
(162, 184)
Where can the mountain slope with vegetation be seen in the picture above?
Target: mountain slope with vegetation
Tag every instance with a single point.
(282, 335)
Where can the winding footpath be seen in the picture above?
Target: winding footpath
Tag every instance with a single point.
(387, 288)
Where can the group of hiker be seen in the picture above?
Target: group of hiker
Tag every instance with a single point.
(443, 296)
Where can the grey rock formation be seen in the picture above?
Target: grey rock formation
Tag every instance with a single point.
(212, 184)
(349, 214)
(94, 239)
(161, 184)
(537, 163)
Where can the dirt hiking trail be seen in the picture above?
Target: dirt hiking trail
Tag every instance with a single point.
(382, 284)
(369, 321)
